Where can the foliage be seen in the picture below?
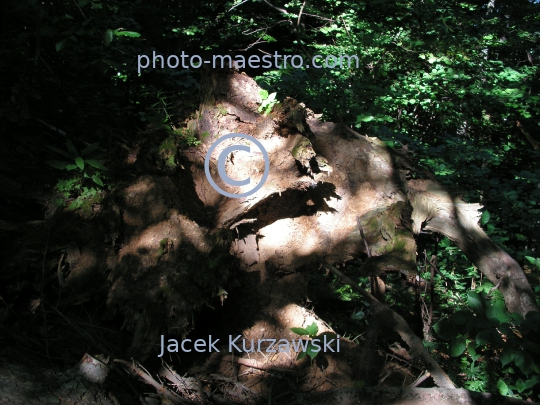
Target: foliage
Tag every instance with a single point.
(311, 331)
(81, 160)
(534, 261)
(493, 345)
(178, 139)
(87, 164)
(269, 101)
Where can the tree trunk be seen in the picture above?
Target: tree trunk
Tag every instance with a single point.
(459, 222)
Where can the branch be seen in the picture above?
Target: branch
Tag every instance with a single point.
(346, 30)
(236, 5)
(319, 17)
(163, 392)
(300, 16)
(495, 287)
(80, 9)
(281, 10)
(424, 376)
(531, 140)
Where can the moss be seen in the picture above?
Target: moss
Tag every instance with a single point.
(404, 245)
(221, 110)
(372, 228)
(171, 162)
(163, 247)
(399, 243)
(186, 138)
(395, 210)
(168, 145)
(87, 207)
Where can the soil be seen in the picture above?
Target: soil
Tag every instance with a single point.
(153, 257)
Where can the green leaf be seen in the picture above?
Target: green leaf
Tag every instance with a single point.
(472, 351)
(534, 261)
(312, 329)
(97, 180)
(520, 385)
(524, 362)
(517, 318)
(480, 323)
(57, 164)
(507, 356)
(484, 337)
(74, 205)
(530, 346)
(461, 317)
(97, 164)
(444, 329)
(72, 149)
(485, 217)
(300, 331)
(71, 167)
(502, 387)
(301, 355)
(457, 347)
(60, 45)
(498, 311)
(79, 161)
(531, 382)
(364, 118)
(131, 34)
(60, 151)
(263, 94)
(312, 351)
(476, 303)
(89, 149)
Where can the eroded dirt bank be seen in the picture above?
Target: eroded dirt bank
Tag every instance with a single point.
(166, 254)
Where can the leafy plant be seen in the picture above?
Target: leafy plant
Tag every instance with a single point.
(533, 261)
(80, 160)
(86, 164)
(312, 349)
(483, 331)
(179, 139)
(269, 101)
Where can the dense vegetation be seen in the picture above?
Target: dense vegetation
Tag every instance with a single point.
(457, 84)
